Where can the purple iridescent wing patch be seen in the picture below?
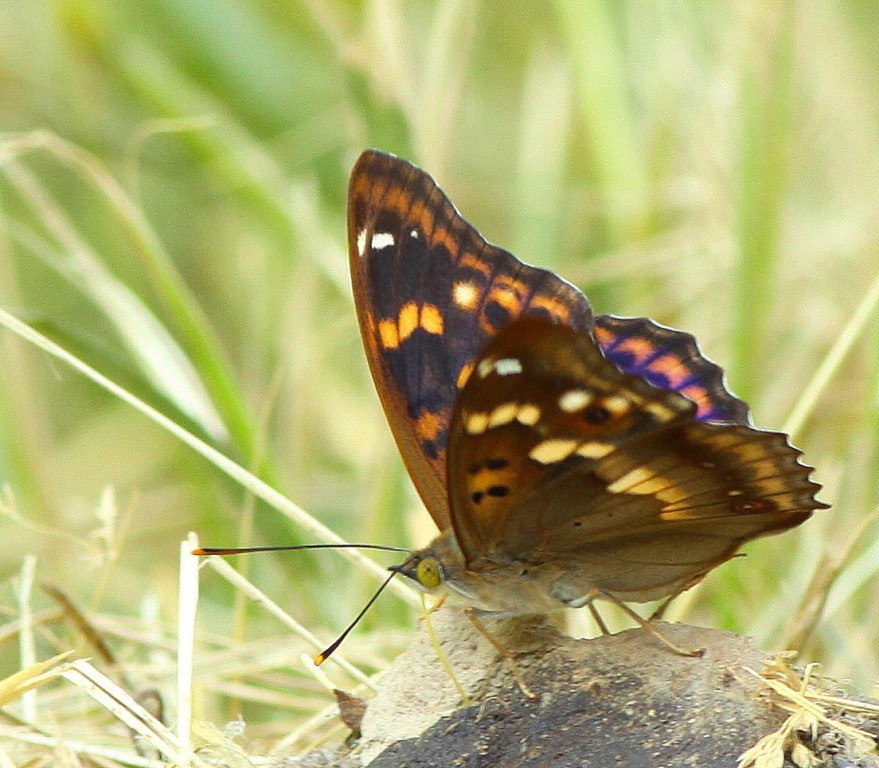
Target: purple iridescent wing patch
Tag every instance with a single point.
(670, 360)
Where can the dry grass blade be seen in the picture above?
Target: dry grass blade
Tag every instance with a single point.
(833, 360)
(310, 734)
(32, 677)
(120, 704)
(809, 708)
(824, 576)
(258, 596)
(218, 748)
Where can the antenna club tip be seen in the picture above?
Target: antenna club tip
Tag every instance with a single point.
(199, 551)
(319, 659)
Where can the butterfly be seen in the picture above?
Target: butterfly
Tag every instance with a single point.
(564, 456)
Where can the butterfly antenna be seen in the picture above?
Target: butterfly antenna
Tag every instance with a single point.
(322, 657)
(290, 548)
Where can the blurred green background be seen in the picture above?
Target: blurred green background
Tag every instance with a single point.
(172, 191)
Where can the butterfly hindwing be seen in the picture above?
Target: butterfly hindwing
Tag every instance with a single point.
(430, 293)
(556, 456)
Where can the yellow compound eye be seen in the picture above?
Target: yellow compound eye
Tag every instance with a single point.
(428, 573)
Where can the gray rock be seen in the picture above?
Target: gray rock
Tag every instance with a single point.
(620, 700)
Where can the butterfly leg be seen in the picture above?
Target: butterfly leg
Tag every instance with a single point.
(661, 608)
(438, 604)
(440, 655)
(470, 613)
(596, 617)
(647, 624)
(588, 600)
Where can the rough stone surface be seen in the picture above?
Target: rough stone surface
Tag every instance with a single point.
(622, 700)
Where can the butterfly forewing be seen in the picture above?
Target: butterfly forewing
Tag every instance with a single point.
(557, 457)
(430, 292)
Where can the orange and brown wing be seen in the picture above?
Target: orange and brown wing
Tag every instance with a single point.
(430, 292)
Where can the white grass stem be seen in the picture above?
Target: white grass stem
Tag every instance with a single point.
(186, 613)
(27, 649)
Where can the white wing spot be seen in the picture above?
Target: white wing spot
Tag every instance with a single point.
(485, 367)
(361, 242)
(465, 295)
(503, 414)
(595, 450)
(508, 366)
(552, 451)
(643, 482)
(671, 494)
(662, 412)
(574, 400)
(413, 233)
(382, 240)
(616, 404)
(528, 415)
(476, 423)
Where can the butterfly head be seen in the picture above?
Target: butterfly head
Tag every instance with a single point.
(423, 569)
(429, 568)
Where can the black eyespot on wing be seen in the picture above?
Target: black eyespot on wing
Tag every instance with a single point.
(595, 414)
